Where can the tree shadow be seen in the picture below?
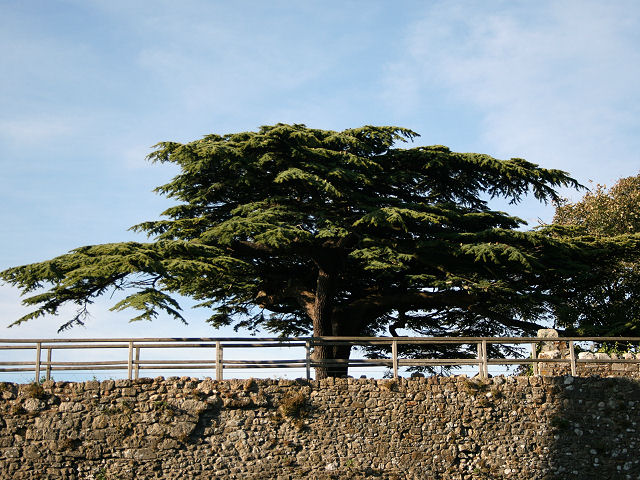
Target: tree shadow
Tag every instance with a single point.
(595, 428)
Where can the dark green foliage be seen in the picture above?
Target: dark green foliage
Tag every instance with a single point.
(299, 231)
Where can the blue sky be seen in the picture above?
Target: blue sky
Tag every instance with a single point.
(89, 86)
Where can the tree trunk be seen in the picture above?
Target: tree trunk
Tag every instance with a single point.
(324, 326)
(331, 352)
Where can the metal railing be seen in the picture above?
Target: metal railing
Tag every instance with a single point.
(217, 363)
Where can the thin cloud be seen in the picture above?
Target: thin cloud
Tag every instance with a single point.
(555, 82)
(37, 129)
(134, 157)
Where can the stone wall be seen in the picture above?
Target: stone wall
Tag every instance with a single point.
(599, 363)
(421, 428)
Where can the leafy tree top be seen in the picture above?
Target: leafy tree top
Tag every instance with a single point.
(300, 230)
(605, 212)
(603, 300)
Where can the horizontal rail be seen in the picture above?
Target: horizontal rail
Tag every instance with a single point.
(154, 345)
(162, 339)
(325, 339)
(217, 363)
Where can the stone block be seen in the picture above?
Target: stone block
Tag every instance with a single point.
(547, 333)
(550, 354)
(33, 405)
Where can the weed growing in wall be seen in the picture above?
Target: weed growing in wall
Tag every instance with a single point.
(474, 387)
(34, 390)
(249, 384)
(67, 443)
(293, 405)
(197, 395)
(496, 393)
(164, 407)
(103, 475)
(389, 385)
(4, 387)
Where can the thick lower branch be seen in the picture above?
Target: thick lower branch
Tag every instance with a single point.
(521, 324)
(376, 305)
(304, 299)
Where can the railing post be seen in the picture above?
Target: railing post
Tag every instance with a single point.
(480, 362)
(38, 350)
(572, 357)
(130, 363)
(485, 361)
(218, 361)
(48, 364)
(534, 356)
(307, 346)
(394, 354)
(137, 369)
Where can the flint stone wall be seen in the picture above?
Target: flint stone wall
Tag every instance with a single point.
(421, 428)
(597, 366)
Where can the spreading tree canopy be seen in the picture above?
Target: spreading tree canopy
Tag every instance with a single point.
(605, 300)
(297, 231)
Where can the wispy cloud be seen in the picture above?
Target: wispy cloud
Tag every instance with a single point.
(555, 82)
(220, 59)
(36, 129)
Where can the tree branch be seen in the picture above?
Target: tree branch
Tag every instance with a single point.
(304, 298)
(244, 246)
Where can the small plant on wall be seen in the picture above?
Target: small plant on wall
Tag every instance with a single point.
(103, 475)
(293, 405)
(34, 390)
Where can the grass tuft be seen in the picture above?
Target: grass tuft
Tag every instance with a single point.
(34, 390)
(293, 405)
